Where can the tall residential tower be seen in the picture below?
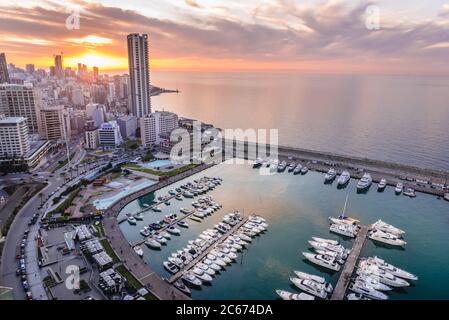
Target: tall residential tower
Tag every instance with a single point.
(4, 76)
(139, 73)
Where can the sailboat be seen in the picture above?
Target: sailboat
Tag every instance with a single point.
(343, 218)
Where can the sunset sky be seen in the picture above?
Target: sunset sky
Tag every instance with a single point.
(232, 35)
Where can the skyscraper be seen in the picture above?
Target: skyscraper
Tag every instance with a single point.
(95, 72)
(139, 73)
(59, 71)
(4, 76)
(30, 68)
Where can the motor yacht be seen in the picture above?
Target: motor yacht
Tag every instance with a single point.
(160, 238)
(145, 231)
(391, 268)
(182, 287)
(322, 260)
(329, 247)
(330, 175)
(139, 251)
(387, 238)
(212, 265)
(166, 235)
(216, 259)
(385, 227)
(195, 218)
(291, 166)
(139, 216)
(311, 287)
(297, 169)
(258, 163)
(191, 279)
(303, 275)
(153, 244)
(382, 184)
(132, 220)
(344, 230)
(344, 178)
(365, 182)
(356, 296)
(304, 170)
(399, 188)
(176, 261)
(170, 267)
(334, 242)
(367, 291)
(409, 192)
(173, 230)
(156, 209)
(206, 268)
(373, 282)
(178, 197)
(282, 166)
(383, 276)
(200, 274)
(183, 224)
(285, 295)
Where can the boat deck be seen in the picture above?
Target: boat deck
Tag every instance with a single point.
(176, 276)
(348, 269)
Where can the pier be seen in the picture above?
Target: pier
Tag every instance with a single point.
(200, 257)
(348, 268)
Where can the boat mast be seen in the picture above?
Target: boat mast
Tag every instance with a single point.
(344, 208)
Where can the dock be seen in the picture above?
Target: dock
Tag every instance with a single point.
(180, 273)
(348, 269)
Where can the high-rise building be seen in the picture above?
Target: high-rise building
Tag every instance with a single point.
(128, 126)
(95, 73)
(96, 112)
(52, 71)
(19, 101)
(109, 135)
(139, 73)
(14, 140)
(155, 124)
(30, 68)
(4, 75)
(59, 69)
(54, 123)
(91, 135)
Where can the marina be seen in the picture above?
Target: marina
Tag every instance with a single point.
(298, 207)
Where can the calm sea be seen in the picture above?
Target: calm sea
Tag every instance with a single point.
(402, 119)
(297, 208)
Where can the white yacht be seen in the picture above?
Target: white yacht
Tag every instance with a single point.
(322, 260)
(329, 247)
(344, 230)
(409, 192)
(382, 184)
(356, 296)
(385, 227)
(132, 220)
(212, 265)
(342, 221)
(344, 178)
(156, 209)
(399, 188)
(330, 175)
(387, 238)
(304, 170)
(195, 218)
(297, 169)
(139, 216)
(206, 268)
(285, 295)
(153, 244)
(303, 275)
(200, 274)
(373, 282)
(377, 273)
(139, 251)
(145, 232)
(367, 291)
(173, 230)
(334, 242)
(365, 182)
(191, 279)
(392, 269)
(291, 166)
(311, 287)
(170, 267)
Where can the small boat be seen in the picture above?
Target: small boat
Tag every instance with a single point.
(160, 239)
(200, 274)
(257, 163)
(139, 251)
(170, 267)
(206, 268)
(344, 230)
(281, 167)
(156, 209)
(344, 178)
(410, 193)
(356, 296)
(367, 291)
(399, 188)
(195, 218)
(178, 197)
(303, 275)
(182, 287)
(191, 279)
(173, 230)
(365, 182)
(373, 282)
(388, 238)
(185, 211)
(188, 194)
(183, 224)
(330, 175)
(291, 166)
(166, 235)
(297, 169)
(132, 220)
(285, 295)
(311, 287)
(322, 260)
(138, 216)
(212, 265)
(334, 242)
(145, 232)
(153, 244)
(382, 184)
(304, 170)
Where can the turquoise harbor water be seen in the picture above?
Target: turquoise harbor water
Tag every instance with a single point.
(297, 208)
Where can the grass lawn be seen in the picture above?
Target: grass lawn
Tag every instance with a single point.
(132, 281)
(167, 174)
(107, 247)
(131, 145)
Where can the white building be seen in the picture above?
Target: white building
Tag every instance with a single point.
(19, 101)
(96, 112)
(128, 126)
(155, 124)
(54, 123)
(139, 72)
(109, 135)
(14, 139)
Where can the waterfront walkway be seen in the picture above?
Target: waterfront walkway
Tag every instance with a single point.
(136, 265)
(348, 269)
(176, 276)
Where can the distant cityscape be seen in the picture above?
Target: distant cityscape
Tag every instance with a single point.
(40, 110)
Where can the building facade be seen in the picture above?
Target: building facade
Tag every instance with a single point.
(109, 136)
(139, 72)
(155, 124)
(91, 135)
(4, 75)
(128, 126)
(54, 123)
(14, 139)
(19, 101)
